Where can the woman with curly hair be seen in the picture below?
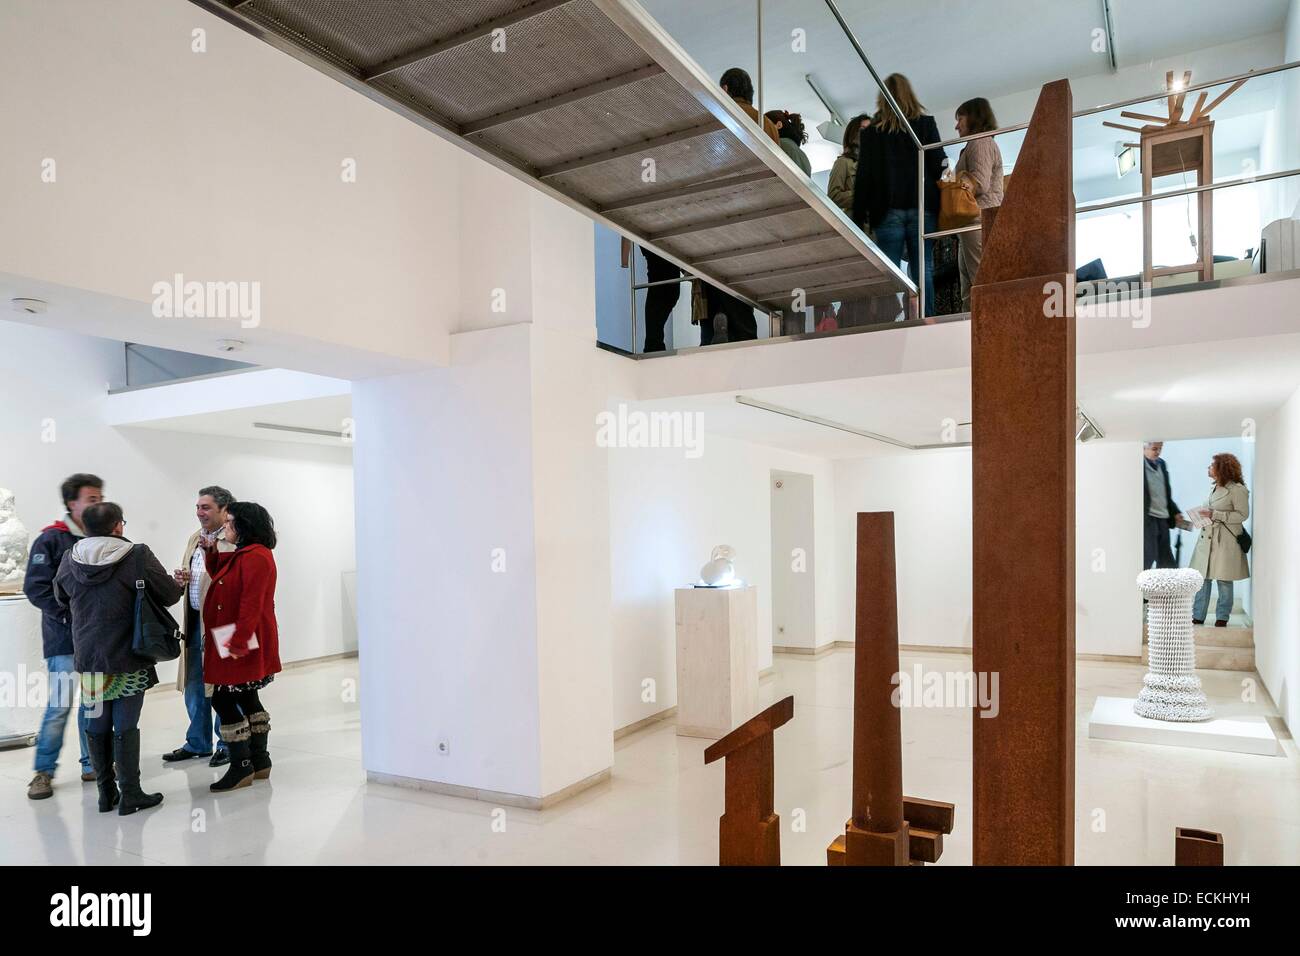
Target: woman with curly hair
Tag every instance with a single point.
(241, 646)
(1219, 555)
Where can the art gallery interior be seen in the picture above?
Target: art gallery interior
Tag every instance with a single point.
(489, 497)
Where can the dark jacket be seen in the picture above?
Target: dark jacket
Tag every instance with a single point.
(42, 564)
(243, 594)
(886, 176)
(97, 580)
(1169, 492)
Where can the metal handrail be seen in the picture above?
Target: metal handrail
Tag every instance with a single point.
(1136, 101)
(1188, 191)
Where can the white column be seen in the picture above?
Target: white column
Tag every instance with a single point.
(1171, 690)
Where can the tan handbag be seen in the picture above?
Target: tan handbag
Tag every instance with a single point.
(957, 205)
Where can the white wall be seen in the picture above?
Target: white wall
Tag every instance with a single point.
(57, 380)
(1108, 529)
(930, 495)
(222, 165)
(667, 513)
(1275, 559)
(794, 560)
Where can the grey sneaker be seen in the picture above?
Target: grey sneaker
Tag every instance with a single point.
(40, 787)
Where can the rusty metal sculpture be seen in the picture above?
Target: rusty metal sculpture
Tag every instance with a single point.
(1197, 847)
(886, 828)
(1023, 413)
(749, 831)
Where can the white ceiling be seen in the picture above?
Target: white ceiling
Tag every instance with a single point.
(955, 49)
(1204, 390)
(323, 414)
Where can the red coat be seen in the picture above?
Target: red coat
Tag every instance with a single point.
(242, 593)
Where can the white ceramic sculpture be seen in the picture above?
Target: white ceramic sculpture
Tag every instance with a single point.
(721, 569)
(13, 545)
(1171, 690)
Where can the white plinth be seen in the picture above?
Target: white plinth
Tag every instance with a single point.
(717, 660)
(22, 665)
(1113, 719)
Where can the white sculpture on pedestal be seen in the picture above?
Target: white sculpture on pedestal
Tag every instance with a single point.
(720, 572)
(1171, 690)
(13, 545)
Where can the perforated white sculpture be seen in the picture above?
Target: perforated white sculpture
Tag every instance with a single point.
(1171, 690)
(13, 545)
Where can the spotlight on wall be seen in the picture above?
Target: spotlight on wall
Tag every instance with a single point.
(1126, 159)
(29, 306)
(1085, 429)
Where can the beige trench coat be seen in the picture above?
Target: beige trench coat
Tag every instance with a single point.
(1218, 556)
(204, 583)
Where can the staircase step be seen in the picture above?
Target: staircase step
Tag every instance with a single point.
(1230, 636)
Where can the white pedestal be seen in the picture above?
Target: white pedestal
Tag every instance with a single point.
(717, 660)
(22, 667)
(1113, 719)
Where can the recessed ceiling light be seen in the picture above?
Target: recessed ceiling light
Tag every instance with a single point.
(30, 306)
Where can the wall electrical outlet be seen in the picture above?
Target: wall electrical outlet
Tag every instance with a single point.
(444, 747)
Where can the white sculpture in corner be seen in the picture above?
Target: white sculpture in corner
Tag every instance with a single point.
(1171, 690)
(720, 572)
(13, 545)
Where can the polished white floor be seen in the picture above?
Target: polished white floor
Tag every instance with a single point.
(662, 805)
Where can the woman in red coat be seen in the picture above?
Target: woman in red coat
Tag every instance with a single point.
(241, 647)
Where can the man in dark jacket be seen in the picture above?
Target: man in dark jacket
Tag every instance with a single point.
(98, 581)
(1161, 514)
(79, 492)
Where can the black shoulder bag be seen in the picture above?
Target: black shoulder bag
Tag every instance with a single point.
(156, 635)
(1243, 539)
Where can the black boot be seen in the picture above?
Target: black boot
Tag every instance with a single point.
(126, 754)
(101, 758)
(240, 772)
(259, 726)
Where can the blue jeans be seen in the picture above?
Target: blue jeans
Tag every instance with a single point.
(896, 234)
(118, 715)
(203, 724)
(1223, 608)
(63, 683)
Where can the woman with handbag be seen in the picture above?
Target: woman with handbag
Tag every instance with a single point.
(241, 646)
(1221, 550)
(104, 580)
(978, 172)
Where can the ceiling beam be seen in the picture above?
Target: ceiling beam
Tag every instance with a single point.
(632, 149)
(573, 96)
(766, 247)
(692, 189)
(727, 221)
(797, 270)
(476, 32)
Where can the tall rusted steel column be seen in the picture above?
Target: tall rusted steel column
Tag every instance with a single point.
(1023, 414)
(877, 834)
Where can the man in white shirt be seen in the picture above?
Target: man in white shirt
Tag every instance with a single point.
(211, 510)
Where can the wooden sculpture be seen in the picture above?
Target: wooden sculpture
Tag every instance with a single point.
(886, 828)
(749, 831)
(1171, 145)
(1023, 409)
(1197, 847)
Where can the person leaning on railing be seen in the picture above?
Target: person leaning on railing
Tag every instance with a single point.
(981, 164)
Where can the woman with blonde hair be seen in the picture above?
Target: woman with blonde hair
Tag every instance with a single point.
(885, 191)
(1220, 553)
